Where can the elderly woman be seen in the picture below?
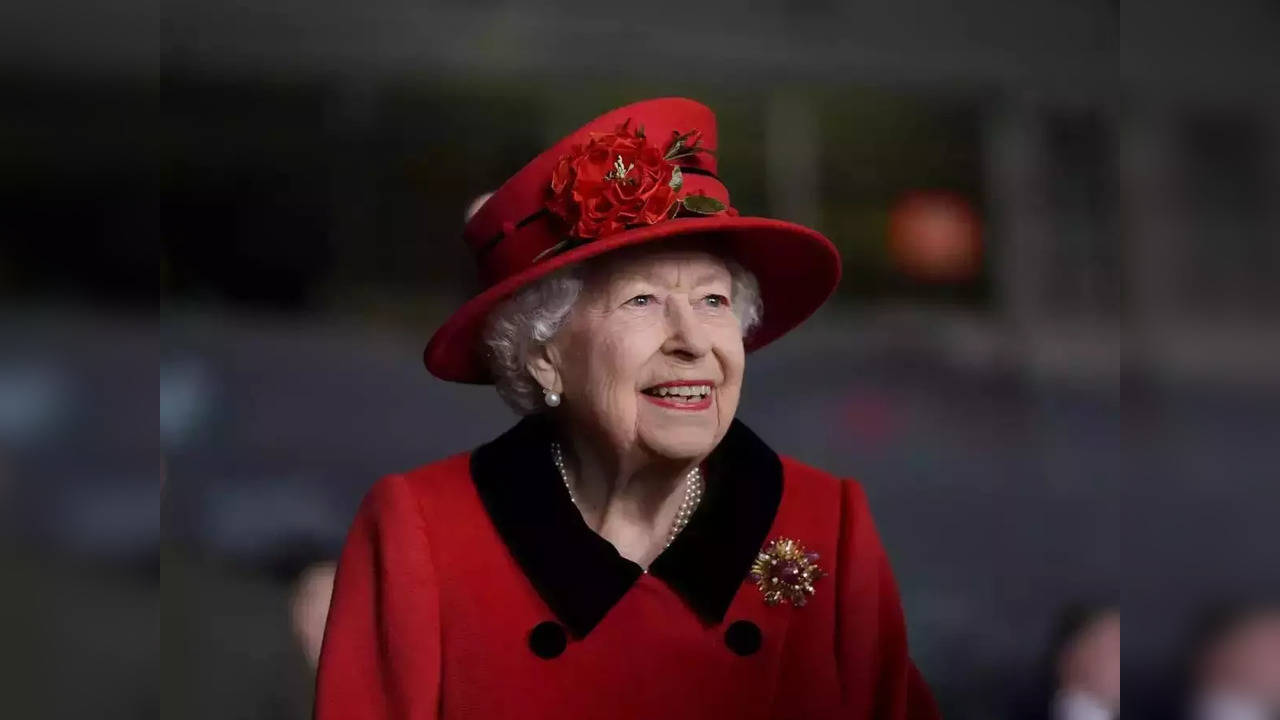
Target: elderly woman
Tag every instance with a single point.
(629, 549)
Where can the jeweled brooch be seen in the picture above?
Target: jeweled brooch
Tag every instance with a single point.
(785, 571)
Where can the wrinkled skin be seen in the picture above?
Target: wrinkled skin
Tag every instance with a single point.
(644, 317)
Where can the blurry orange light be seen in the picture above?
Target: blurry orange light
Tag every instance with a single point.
(935, 236)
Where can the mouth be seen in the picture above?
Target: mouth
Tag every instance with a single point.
(681, 394)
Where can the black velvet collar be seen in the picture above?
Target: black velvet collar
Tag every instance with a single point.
(579, 574)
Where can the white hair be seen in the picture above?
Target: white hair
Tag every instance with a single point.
(533, 316)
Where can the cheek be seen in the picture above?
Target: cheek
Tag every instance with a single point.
(617, 360)
(614, 364)
(732, 358)
(609, 370)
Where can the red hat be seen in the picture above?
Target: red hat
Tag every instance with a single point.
(642, 173)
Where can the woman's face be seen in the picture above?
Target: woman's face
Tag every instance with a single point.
(651, 357)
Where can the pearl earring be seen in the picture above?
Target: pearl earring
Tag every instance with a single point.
(552, 399)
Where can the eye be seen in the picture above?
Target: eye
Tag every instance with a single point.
(640, 301)
(716, 301)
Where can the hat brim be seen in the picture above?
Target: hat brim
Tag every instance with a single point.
(797, 268)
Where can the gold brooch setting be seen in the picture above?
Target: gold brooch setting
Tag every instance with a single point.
(785, 571)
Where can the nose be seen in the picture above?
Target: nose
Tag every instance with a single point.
(686, 337)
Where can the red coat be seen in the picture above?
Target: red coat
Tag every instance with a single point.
(471, 588)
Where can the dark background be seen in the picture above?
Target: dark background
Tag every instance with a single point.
(1091, 414)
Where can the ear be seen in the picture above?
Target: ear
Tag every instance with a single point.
(543, 364)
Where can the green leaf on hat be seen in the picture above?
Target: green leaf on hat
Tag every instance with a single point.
(677, 179)
(689, 152)
(702, 204)
(677, 147)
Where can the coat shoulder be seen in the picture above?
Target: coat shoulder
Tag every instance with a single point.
(458, 464)
(804, 472)
(440, 480)
(428, 485)
(814, 479)
(815, 498)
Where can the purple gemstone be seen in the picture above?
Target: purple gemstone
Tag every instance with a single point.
(788, 572)
(812, 557)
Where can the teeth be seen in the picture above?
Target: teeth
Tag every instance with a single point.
(681, 391)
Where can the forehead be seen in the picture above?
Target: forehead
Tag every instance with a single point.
(668, 266)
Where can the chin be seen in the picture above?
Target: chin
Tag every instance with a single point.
(679, 446)
(680, 434)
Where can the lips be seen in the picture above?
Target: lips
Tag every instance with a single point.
(682, 394)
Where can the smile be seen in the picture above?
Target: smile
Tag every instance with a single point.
(682, 395)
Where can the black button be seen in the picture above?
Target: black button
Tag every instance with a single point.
(742, 637)
(547, 640)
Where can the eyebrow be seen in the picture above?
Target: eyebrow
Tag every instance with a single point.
(654, 278)
(703, 279)
(710, 277)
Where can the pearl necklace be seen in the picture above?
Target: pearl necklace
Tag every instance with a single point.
(692, 493)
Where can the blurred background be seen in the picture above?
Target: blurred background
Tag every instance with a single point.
(1052, 362)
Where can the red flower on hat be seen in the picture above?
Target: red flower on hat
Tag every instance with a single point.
(619, 180)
